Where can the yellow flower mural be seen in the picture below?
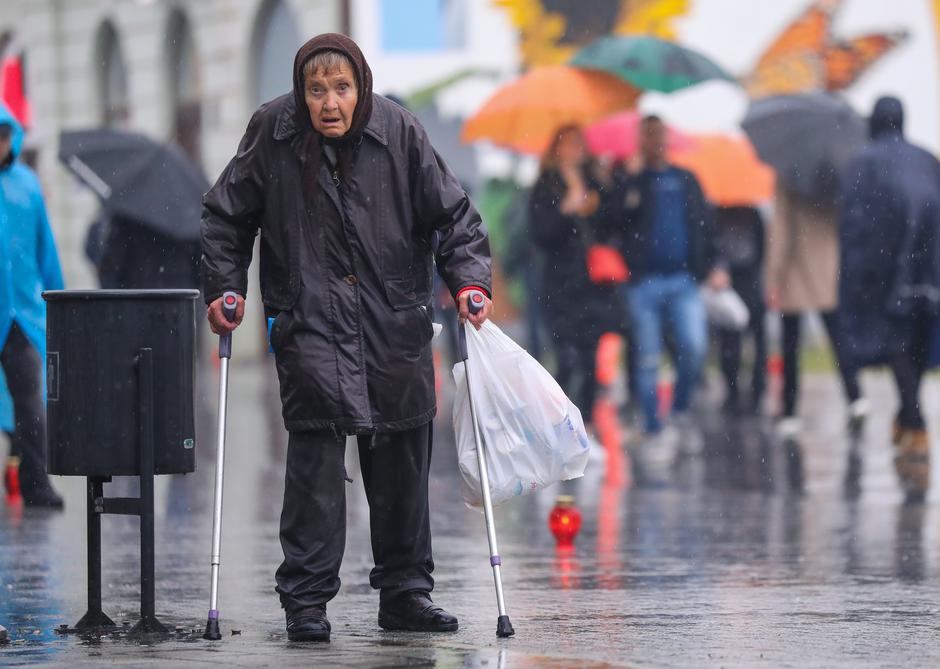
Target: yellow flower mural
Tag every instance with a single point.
(550, 31)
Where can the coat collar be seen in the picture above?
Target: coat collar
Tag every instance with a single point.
(286, 125)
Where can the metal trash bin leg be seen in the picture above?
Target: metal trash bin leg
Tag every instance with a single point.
(94, 617)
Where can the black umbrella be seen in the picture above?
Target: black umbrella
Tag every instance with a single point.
(138, 178)
(808, 139)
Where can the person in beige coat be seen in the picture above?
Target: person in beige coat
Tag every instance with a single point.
(802, 275)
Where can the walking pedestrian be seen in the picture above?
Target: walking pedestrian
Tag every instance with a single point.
(347, 193)
(890, 274)
(741, 239)
(29, 264)
(134, 256)
(801, 276)
(667, 239)
(564, 212)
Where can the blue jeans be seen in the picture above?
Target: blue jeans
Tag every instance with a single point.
(656, 303)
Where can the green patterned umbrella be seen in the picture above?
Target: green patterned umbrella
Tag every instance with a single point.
(649, 63)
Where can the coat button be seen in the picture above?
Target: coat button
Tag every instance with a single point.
(351, 279)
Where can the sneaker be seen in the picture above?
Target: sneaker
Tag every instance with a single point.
(912, 463)
(896, 432)
(789, 427)
(858, 413)
(657, 452)
(691, 441)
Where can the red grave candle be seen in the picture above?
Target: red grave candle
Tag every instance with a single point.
(564, 521)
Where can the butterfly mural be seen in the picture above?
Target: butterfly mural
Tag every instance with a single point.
(551, 31)
(806, 57)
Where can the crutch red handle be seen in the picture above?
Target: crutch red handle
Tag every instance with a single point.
(475, 302)
(229, 305)
(212, 633)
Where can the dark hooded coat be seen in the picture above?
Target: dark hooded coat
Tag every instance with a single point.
(888, 233)
(346, 261)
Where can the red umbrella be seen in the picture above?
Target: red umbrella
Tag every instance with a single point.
(13, 90)
(617, 136)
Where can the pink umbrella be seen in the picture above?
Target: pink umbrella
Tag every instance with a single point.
(617, 136)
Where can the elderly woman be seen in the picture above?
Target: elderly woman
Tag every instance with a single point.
(347, 193)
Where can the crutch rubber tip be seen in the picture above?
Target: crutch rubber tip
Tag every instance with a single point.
(212, 630)
(504, 627)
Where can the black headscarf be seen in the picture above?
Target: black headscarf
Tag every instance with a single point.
(346, 145)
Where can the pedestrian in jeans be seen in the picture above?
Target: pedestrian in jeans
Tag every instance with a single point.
(29, 264)
(802, 274)
(740, 232)
(666, 237)
(889, 229)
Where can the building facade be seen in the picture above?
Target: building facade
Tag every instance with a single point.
(190, 72)
(193, 71)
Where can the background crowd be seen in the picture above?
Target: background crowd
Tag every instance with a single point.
(864, 260)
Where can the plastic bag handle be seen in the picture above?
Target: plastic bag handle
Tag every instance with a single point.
(229, 305)
(475, 303)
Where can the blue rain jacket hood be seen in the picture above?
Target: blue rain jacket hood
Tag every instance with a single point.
(29, 261)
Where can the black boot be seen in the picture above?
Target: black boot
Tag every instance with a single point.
(415, 612)
(41, 494)
(308, 624)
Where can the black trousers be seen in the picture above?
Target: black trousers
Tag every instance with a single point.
(791, 360)
(577, 371)
(908, 367)
(394, 470)
(730, 342)
(23, 367)
(748, 285)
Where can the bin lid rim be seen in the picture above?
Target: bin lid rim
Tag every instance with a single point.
(117, 294)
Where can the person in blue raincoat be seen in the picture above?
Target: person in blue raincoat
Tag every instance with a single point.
(889, 231)
(29, 264)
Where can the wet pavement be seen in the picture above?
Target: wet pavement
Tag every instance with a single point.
(757, 553)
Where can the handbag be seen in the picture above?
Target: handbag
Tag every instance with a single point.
(606, 265)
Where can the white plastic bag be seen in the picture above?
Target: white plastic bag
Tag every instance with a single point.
(533, 433)
(725, 308)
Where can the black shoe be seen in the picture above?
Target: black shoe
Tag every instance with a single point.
(41, 495)
(308, 624)
(731, 407)
(415, 612)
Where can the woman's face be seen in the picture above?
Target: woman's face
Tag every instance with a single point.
(331, 98)
(570, 148)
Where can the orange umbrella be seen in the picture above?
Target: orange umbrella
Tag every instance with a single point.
(728, 169)
(525, 114)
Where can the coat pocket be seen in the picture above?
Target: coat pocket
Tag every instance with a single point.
(402, 295)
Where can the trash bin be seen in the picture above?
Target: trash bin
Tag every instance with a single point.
(93, 340)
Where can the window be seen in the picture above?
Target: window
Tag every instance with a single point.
(274, 45)
(112, 78)
(184, 86)
(423, 25)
